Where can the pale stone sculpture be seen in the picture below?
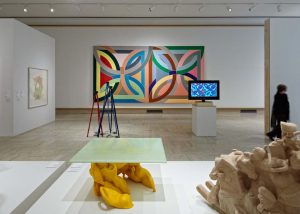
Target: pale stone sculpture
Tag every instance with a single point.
(266, 180)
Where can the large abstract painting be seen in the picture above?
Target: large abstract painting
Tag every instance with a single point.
(37, 87)
(147, 74)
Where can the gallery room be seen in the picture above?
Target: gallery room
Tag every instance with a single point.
(149, 106)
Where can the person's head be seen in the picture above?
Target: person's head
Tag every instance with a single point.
(281, 88)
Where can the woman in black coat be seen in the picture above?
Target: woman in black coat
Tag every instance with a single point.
(280, 111)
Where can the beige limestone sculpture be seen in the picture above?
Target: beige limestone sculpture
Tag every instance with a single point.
(266, 180)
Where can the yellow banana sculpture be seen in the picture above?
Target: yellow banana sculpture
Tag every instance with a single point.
(115, 198)
(113, 188)
(137, 173)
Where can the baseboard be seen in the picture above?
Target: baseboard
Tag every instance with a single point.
(152, 110)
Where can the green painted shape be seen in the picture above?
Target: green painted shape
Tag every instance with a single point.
(122, 150)
(159, 65)
(200, 48)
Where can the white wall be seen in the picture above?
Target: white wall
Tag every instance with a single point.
(37, 50)
(234, 55)
(285, 61)
(6, 70)
(22, 47)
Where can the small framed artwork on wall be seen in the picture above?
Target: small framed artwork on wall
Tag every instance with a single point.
(37, 87)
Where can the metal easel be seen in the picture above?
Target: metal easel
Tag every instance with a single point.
(95, 100)
(110, 108)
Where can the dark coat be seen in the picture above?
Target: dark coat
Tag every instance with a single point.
(281, 109)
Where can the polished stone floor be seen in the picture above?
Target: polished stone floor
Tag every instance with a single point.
(61, 139)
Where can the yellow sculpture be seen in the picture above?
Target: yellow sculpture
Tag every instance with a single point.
(113, 188)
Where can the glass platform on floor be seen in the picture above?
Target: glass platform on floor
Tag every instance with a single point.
(122, 150)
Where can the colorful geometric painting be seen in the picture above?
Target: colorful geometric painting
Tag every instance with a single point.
(147, 74)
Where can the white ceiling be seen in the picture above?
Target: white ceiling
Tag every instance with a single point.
(114, 11)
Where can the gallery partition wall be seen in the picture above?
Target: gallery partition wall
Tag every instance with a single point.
(24, 49)
(282, 63)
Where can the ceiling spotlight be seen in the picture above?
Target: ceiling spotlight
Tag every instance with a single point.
(251, 8)
(279, 9)
(229, 9)
(25, 9)
(176, 8)
(201, 8)
(52, 9)
(151, 8)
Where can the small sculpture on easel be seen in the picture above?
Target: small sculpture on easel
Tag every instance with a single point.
(266, 180)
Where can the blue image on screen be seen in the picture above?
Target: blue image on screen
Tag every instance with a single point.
(204, 90)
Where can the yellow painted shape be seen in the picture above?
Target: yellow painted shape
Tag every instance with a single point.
(161, 81)
(98, 68)
(138, 76)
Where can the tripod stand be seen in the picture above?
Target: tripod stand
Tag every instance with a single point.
(109, 103)
(95, 99)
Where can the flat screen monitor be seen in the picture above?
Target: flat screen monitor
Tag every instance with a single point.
(204, 90)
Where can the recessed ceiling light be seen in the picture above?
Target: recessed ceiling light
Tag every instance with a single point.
(52, 9)
(25, 9)
(229, 9)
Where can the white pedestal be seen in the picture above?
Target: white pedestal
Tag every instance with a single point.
(23, 182)
(204, 119)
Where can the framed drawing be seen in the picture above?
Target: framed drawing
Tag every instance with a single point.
(37, 87)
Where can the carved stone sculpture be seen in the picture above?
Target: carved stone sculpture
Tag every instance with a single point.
(266, 180)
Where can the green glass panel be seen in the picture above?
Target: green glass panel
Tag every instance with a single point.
(122, 150)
